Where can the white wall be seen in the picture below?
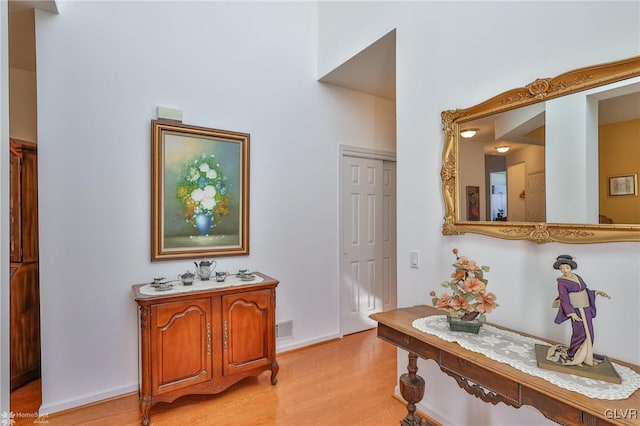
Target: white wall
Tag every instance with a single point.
(453, 55)
(4, 208)
(23, 105)
(242, 66)
(22, 76)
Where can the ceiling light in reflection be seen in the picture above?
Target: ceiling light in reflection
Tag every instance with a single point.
(468, 133)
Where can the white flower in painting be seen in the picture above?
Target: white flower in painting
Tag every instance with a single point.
(193, 175)
(209, 191)
(211, 174)
(208, 203)
(197, 195)
(204, 167)
(208, 200)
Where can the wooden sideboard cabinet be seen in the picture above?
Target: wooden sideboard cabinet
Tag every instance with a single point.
(24, 292)
(203, 341)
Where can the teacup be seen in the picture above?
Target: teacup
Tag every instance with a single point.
(158, 280)
(164, 286)
(221, 276)
(243, 272)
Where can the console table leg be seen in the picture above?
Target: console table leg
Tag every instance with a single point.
(412, 390)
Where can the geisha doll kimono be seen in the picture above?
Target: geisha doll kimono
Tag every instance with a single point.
(574, 298)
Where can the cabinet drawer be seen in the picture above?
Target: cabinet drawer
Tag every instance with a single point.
(500, 385)
(411, 344)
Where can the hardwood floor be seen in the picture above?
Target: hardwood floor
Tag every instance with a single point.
(348, 381)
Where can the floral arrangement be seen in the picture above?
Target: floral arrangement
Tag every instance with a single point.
(203, 189)
(469, 299)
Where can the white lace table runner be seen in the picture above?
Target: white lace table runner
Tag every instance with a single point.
(178, 287)
(519, 352)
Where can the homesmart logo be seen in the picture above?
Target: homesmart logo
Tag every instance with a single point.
(9, 418)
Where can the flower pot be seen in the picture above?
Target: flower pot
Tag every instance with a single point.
(457, 324)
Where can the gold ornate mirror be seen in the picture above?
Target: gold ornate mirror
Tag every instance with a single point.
(572, 162)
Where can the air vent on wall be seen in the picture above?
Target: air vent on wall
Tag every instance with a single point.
(284, 329)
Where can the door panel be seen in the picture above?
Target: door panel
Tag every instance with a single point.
(362, 268)
(535, 197)
(29, 201)
(389, 255)
(515, 193)
(247, 330)
(185, 325)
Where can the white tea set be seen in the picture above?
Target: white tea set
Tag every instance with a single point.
(204, 271)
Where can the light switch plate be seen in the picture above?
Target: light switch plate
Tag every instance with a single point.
(414, 259)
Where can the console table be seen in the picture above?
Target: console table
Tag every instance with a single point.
(493, 381)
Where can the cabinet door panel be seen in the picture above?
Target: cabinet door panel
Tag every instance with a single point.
(25, 325)
(247, 330)
(181, 344)
(15, 213)
(29, 206)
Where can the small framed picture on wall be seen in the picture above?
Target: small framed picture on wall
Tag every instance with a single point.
(623, 185)
(473, 203)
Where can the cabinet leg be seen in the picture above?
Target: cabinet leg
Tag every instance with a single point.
(412, 390)
(275, 368)
(145, 407)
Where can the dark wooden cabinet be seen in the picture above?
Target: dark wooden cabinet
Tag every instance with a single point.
(203, 341)
(24, 290)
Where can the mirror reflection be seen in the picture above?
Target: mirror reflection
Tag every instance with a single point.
(555, 160)
(571, 159)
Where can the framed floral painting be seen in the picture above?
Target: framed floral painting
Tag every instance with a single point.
(199, 191)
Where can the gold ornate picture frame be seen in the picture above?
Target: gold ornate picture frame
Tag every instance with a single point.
(538, 91)
(199, 191)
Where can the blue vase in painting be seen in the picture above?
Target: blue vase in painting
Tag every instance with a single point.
(203, 223)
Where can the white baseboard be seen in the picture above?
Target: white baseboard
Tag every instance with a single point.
(284, 347)
(55, 407)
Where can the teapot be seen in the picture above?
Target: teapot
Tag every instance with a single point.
(187, 278)
(205, 268)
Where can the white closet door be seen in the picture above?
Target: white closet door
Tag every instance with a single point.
(363, 246)
(389, 265)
